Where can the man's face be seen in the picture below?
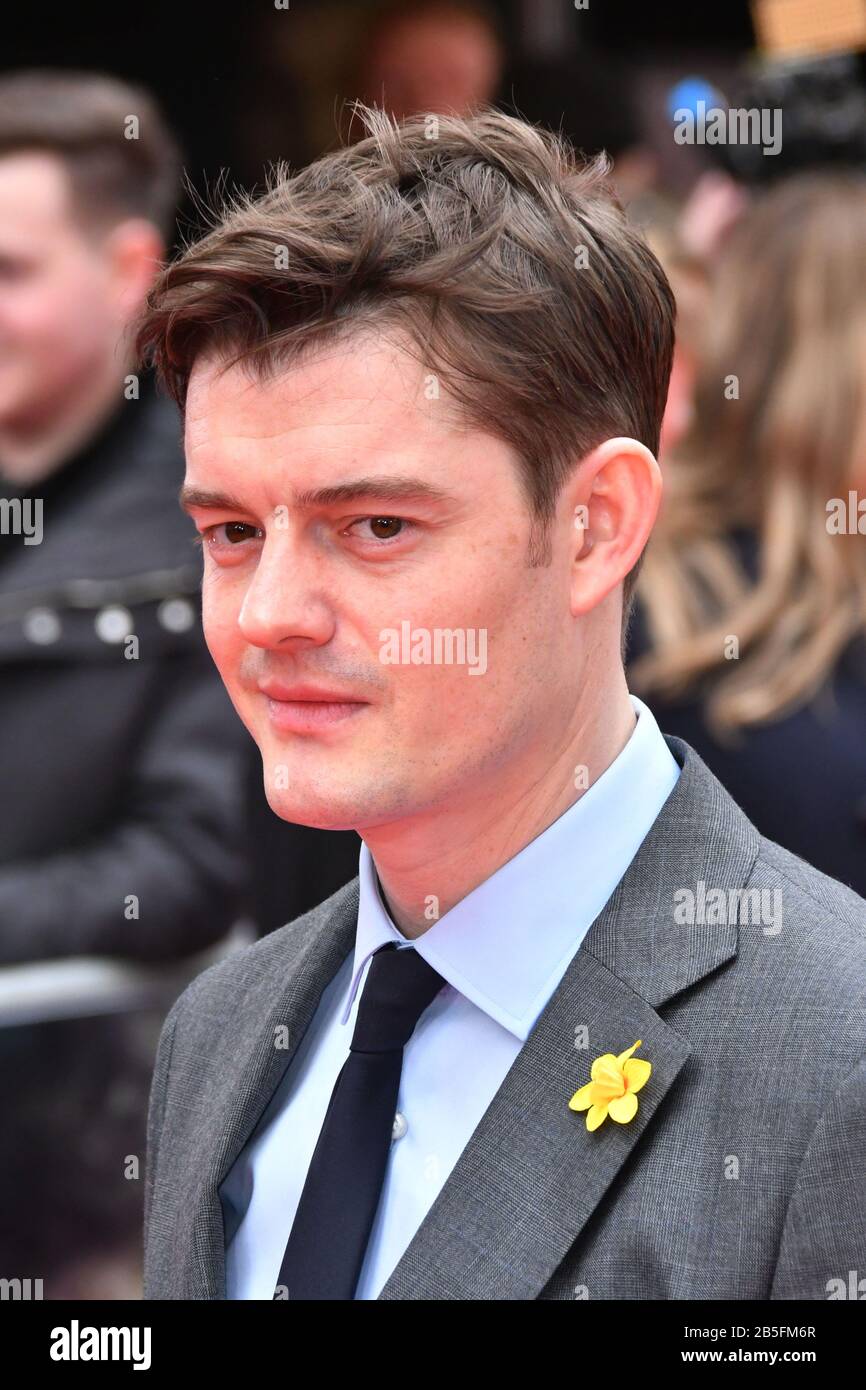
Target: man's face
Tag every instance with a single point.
(300, 593)
(56, 308)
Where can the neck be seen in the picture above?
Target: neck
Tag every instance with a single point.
(37, 444)
(448, 851)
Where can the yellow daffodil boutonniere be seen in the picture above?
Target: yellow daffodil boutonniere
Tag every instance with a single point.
(613, 1088)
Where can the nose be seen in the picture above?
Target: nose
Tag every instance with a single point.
(283, 604)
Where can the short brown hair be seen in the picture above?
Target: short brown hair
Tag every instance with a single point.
(509, 261)
(82, 117)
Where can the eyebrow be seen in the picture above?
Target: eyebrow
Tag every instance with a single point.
(391, 489)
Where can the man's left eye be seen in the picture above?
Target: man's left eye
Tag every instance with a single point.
(382, 526)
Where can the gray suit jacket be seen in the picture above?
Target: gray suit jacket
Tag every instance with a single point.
(743, 1174)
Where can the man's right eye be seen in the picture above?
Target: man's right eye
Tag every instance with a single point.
(233, 533)
(239, 531)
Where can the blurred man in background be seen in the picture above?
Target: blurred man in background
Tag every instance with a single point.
(122, 753)
(123, 762)
(429, 56)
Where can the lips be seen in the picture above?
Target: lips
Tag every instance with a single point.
(309, 709)
(312, 694)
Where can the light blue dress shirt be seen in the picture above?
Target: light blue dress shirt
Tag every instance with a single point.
(502, 949)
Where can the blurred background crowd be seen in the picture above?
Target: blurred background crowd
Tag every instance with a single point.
(136, 843)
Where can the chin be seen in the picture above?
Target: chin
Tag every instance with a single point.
(312, 805)
(312, 813)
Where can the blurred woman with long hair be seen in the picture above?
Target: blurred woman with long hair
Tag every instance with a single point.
(749, 638)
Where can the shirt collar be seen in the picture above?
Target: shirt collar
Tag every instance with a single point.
(507, 944)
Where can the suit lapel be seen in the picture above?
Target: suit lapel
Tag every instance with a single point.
(531, 1175)
(258, 1072)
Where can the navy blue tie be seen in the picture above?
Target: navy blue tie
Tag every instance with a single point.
(328, 1240)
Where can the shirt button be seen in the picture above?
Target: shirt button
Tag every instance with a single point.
(41, 625)
(113, 624)
(401, 1125)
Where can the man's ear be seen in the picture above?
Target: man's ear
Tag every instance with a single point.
(134, 249)
(614, 499)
